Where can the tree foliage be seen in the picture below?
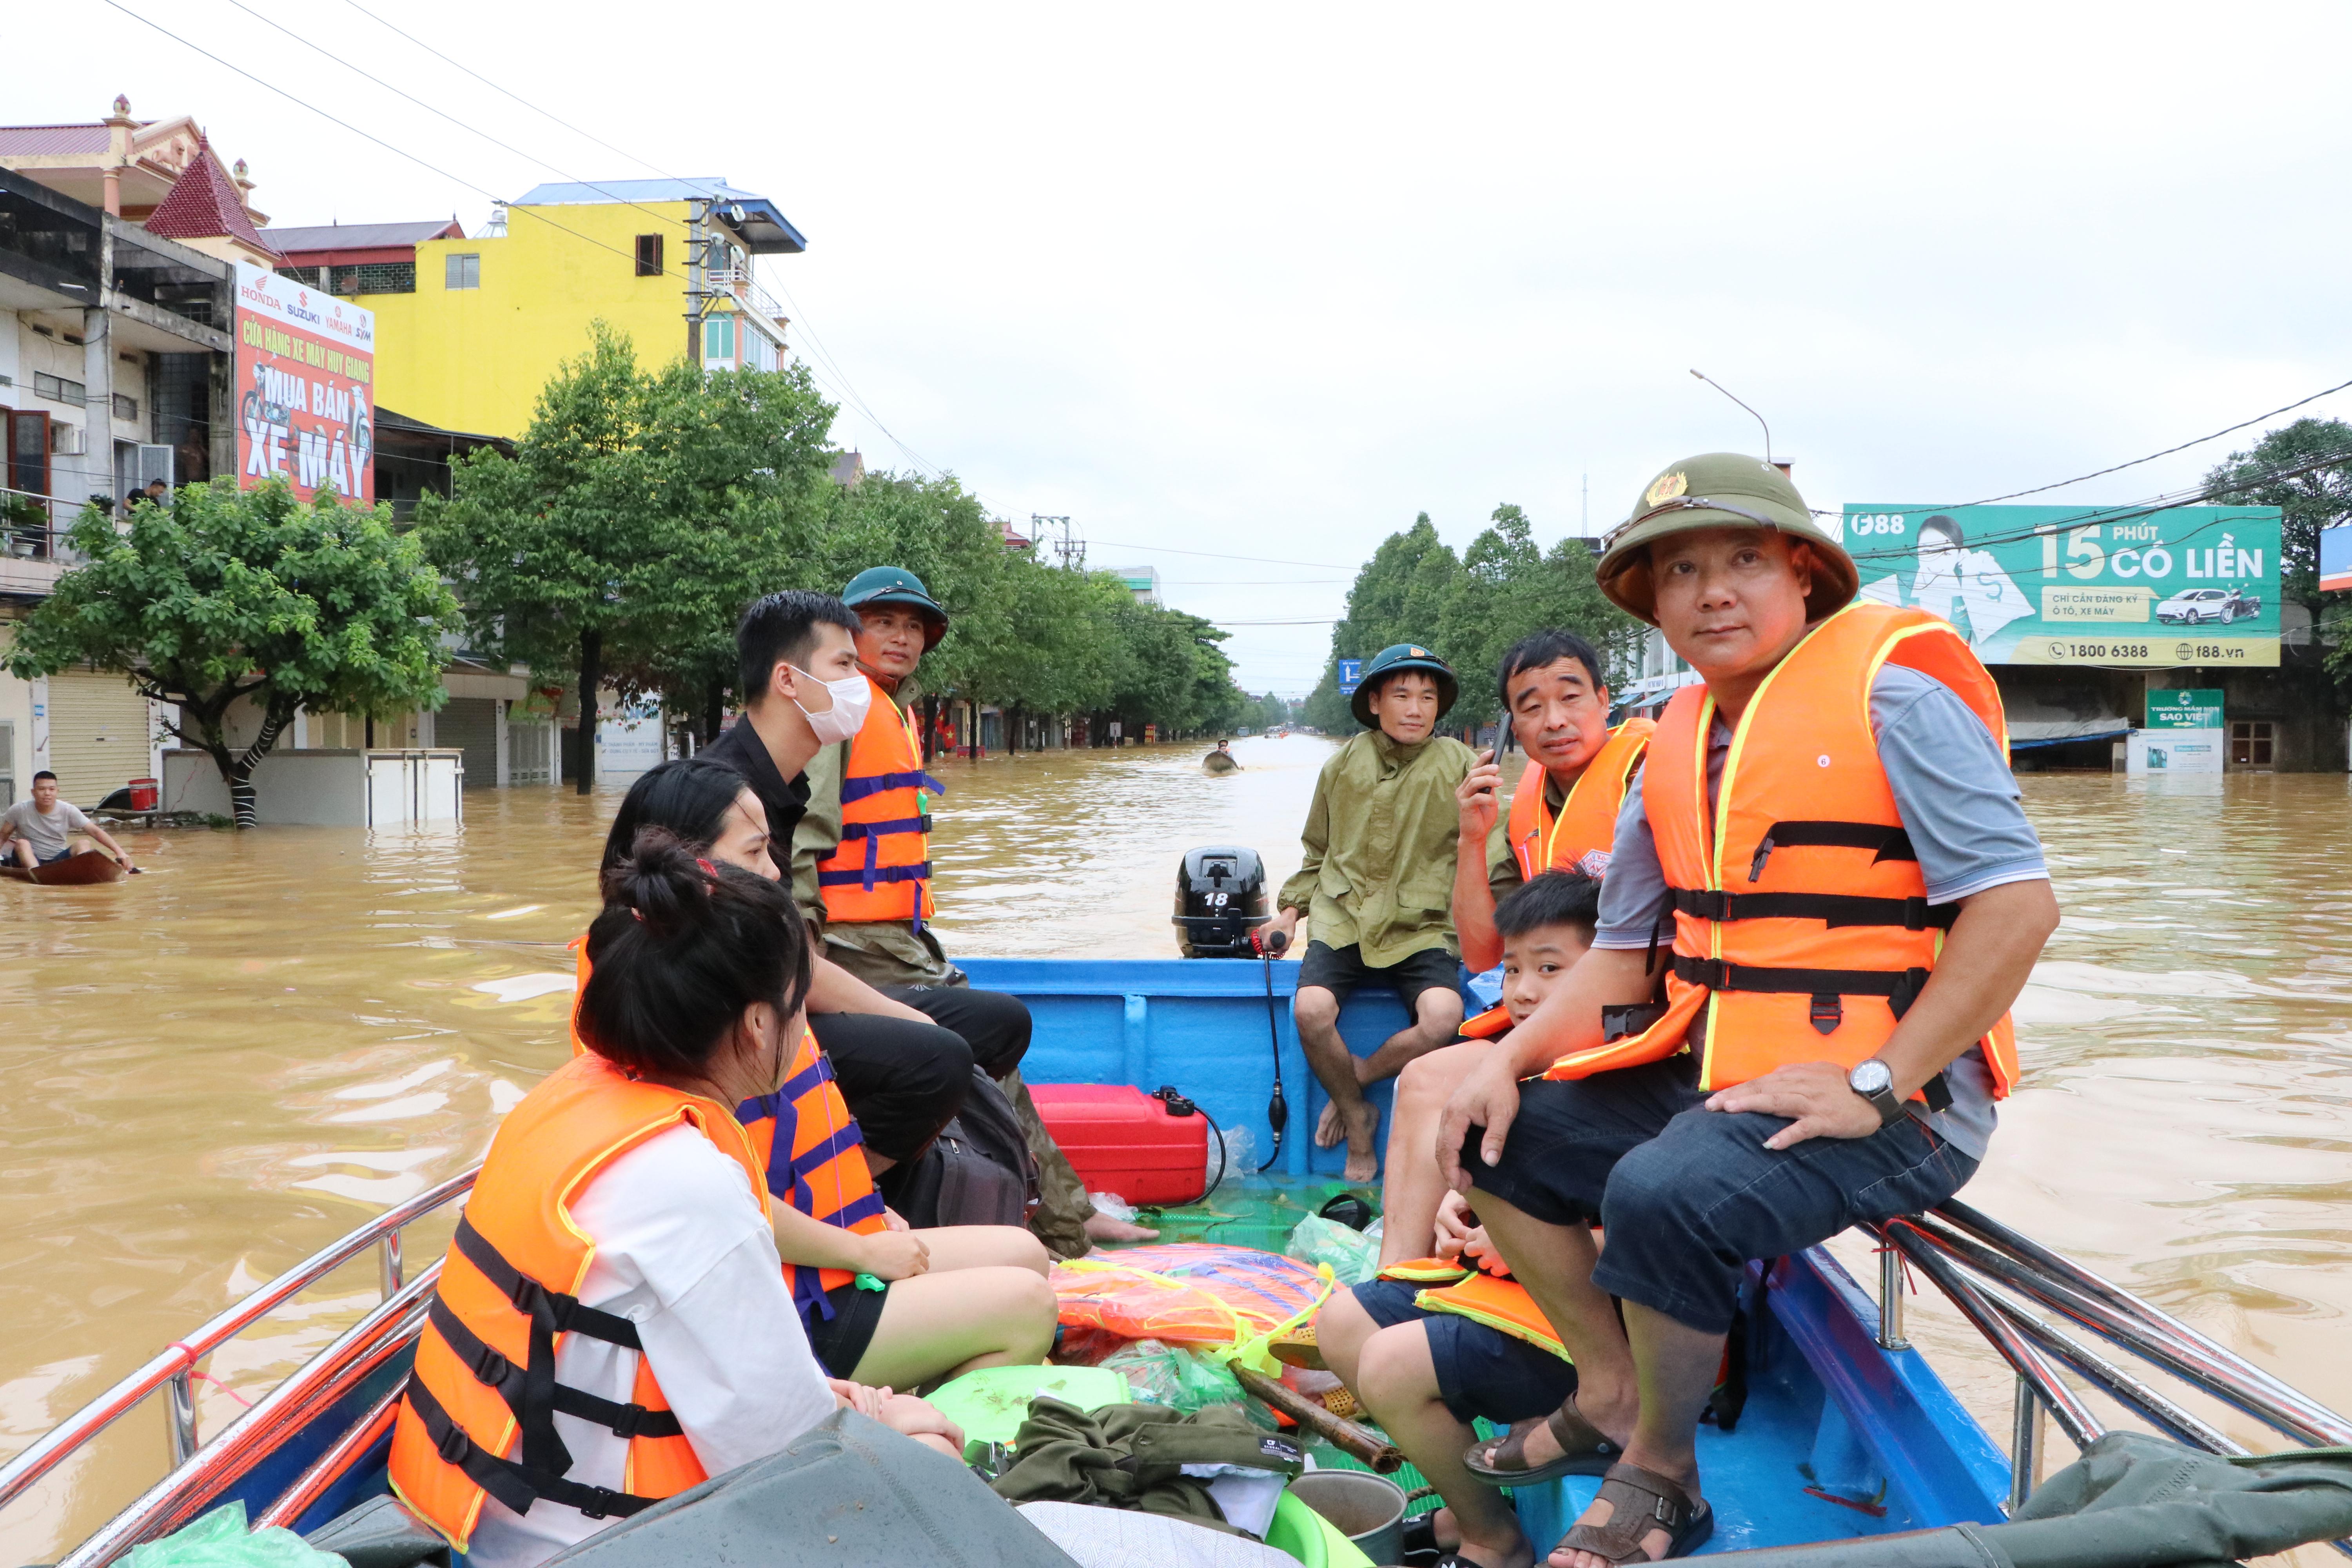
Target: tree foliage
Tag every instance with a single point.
(2307, 503)
(1469, 608)
(230, 594)
(642, 511)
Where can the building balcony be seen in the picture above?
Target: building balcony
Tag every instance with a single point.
(34, 550)
(738, 281)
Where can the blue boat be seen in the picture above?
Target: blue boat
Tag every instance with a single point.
(1847, 1431)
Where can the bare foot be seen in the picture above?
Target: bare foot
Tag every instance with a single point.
(1519, 1554)
(1363, 1160)
(1328, 1130)
(1102, 1227)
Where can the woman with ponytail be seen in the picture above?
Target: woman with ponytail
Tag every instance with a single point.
(614, 1323)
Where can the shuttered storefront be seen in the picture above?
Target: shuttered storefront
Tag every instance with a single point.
(98, 734)
(472, 724)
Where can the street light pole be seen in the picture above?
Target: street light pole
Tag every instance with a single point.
(1759, 417)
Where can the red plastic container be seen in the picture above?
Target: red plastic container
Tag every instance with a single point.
(145, 793)
(1120, 1140)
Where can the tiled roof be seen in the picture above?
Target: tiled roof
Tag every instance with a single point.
(48, 141)
(203, 204)
(359, 236)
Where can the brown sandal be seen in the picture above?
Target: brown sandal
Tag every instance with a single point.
(1583, 1451)
(1640, 1501)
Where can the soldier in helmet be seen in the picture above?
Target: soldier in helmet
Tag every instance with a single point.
(1828, 829)
(1376, 888)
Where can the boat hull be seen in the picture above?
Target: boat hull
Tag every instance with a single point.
(88, 870)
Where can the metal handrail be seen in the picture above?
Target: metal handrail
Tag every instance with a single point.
(171, 1366)
(355, 1354)
(328, 1467)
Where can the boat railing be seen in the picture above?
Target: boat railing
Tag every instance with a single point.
(1997, 1278)
(170, 1372)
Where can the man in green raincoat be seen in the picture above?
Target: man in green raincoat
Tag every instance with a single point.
(1376, 888)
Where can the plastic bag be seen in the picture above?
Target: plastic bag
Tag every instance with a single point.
(1111, 1206)
(1240, 1160)
(220, 1540)
(1353, 1256)
(1163, 1375)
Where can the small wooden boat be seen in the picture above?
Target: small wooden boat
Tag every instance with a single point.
(86, 870)
(1847, 1431)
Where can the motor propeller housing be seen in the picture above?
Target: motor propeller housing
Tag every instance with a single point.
(1220, 900)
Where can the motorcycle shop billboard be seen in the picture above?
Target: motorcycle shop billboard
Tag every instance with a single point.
(2060, 585)
(305, 387)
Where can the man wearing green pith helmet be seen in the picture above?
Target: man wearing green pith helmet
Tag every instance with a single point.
(1376, 888)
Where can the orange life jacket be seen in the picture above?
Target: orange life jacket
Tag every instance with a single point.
(819, 1167)
(1426, 1270)
(507, 1295)
(1492, 1023)
(1587, 821)
(1497, 1302)
(1800, 910)
(881, 870)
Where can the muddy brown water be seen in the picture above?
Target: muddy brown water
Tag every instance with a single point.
(212, 1069)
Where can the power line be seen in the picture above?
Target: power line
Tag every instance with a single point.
(1211, 554)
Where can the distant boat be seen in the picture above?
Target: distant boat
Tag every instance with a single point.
(1219, 763)
(86, 870)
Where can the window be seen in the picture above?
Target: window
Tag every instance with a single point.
(29, 451)
(463, 272)
(2250, 744)
(649, 256)
(59, 390)
(126, 409)
(719, 338)
(383, 277)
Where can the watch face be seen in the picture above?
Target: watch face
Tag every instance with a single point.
(1873, 1077)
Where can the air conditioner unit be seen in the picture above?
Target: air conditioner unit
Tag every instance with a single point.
(68, 440)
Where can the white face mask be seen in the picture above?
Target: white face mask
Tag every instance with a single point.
(851, 698)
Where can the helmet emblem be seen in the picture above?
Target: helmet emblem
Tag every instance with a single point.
(1418, 652)
(1665, 488)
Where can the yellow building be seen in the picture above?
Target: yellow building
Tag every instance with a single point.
(468, 332)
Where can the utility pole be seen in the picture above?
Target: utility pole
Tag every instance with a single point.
(698, 290)
(1069, 550)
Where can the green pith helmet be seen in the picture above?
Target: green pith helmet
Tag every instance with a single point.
(897, 586)
(1720, 489)
(1387, 662)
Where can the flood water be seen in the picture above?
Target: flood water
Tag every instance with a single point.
(212, 1069)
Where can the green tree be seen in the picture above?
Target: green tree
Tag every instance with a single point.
(1273, 713)
(639, 514)
(231, 593)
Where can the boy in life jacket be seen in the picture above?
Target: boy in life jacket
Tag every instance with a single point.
(1828, 829)
(861, 868)
(627, 1209)
(1426, 1350)
(1375, 887)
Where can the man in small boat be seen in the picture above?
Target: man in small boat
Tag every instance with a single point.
(1221, 760)
(36, 831)
(861, 870)
(1479, 1348)
(1829, 828)
(1374, 888)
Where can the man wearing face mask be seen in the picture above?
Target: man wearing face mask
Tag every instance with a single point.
(861, 866)
(905, 1071)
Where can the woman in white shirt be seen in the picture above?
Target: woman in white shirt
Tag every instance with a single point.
(623, 1187)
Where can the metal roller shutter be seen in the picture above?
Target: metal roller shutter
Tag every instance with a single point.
(98, 734)
(472, 724)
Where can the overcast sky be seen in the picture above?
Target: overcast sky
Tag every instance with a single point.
(1266, 280)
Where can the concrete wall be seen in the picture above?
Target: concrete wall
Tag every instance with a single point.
(327, 788)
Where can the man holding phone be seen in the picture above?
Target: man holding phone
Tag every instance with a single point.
(1564, 813)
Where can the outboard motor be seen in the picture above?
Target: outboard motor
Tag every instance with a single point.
(1220, 900)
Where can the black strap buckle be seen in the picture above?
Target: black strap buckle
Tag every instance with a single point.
(1706, 903)
(453, 1444)
(1914, 914)
(1628, 1019)
(599, 1502)
(491, 1367)
(626, 1419)
(1827, 1012)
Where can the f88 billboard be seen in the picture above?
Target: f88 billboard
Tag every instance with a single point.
(305, 387)
(2055, 584)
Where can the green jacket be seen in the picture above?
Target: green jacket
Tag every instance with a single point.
(1381, 835)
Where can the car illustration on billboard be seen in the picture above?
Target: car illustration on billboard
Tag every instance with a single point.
(2197, 605)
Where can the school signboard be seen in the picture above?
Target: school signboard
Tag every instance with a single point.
(305, 387)
(2055, 584)
(2191, 708)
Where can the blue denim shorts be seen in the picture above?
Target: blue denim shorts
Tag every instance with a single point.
(1480, 1371)
(1686, 1196)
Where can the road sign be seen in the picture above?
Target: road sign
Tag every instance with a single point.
(1351, 675)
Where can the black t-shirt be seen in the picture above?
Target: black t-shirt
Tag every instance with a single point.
(741, 749)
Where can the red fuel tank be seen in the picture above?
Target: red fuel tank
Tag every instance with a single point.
(1123, 1140)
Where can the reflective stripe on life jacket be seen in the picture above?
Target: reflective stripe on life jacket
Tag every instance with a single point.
(1587, 822)
(881, 870)
(1425, 1270)
(485, 1366)
(1801, 914)
(815, 1160)
(819, 1167)
(1498, 1303)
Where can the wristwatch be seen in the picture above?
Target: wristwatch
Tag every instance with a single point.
(1874, 1081)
